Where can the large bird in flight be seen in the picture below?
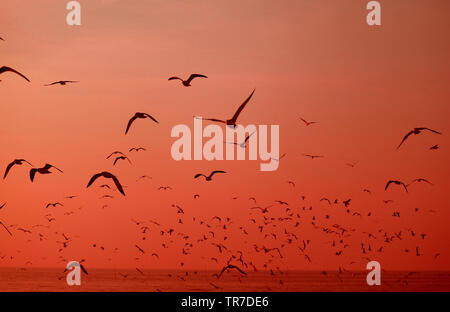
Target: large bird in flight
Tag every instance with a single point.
(15, 162)
(416, 131)
(5, 69)
(61, 82)
(141, 116)
(107, 175)
(232, 121)
(43, 170)
(187, 83)
(397, 183)
(208, 178)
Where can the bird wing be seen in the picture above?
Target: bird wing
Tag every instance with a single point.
(404, 138)
(6, 69)
(430, 130)
(115, 160)
(199, 175)
(7, 169)
(51, 166)
(94, 177)
(248, 137)
(51, 84)
(216, 171)
(2, 206)
(32, 174)
(191, 77)
(6, 228)
(213, 119)
(173, 78)
(129, 123)
(83, 269)
(118, 185)
(387, 184)
(149, 116)
(236, 115)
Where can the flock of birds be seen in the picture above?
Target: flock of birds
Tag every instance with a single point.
(271, 230)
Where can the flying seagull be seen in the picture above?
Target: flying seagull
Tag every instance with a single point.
(208, 178)
(308, 123)
(397, 183)
(107, 175)
(139, 115)
(313, 156)
(54, 204)
(232, 121)
(187, 83)
(5, 69)
(43, 170)
(114, 153)
(61, 82)
(15, 162)
(420, 180)
(121, 158)
(137, 149)
(416, 131)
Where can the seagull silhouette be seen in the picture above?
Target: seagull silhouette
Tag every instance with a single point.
(141, 116)
(420, 180)
(15, 162)
(107, 175)
(54, 204)
(43, 170)
(115, 153)
(137, 149)
(121, 158)
(232, 121)
(187, 83)
(229, 267)
(308, 123)
(208, 178)
(416, 131)
(313, 156)
(61, 82)
(5, 69)
(397, 183)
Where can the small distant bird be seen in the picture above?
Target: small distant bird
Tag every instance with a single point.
(107, 175)
(15, 162)
(397, 183)
(141, 116)
(54, 204)
(43, 170)
(115, 153)
(229, 267)
(208, 178)
(434, 147)
(5, 69)
(420, 180)
(416, 131)
(232, 121)
(61, 82)
(121, 158)
(308, 123)
(346, 202)
(137, 149)
(187, 83)
(313, 156)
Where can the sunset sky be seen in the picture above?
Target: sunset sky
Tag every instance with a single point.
(366, 87)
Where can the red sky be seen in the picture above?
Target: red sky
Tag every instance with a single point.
(365, 86)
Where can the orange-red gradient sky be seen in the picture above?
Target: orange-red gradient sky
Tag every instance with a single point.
(365, 86)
